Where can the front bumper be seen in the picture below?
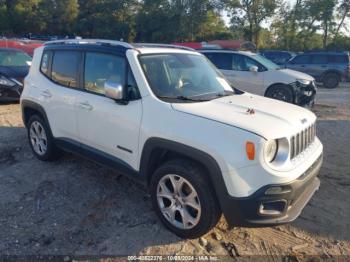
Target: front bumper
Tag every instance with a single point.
(305, 95)
(274, 208)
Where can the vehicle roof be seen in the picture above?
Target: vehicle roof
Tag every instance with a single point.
(325, 53)
(249, 53)
(111, 45)
(276, 51)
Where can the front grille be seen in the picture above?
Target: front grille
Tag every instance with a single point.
(302, 140)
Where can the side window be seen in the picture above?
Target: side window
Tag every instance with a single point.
(244, 63)
(319, 59)
(222, 61)
(100, 68)
(45, 63)
(302, 59)
(65, 68)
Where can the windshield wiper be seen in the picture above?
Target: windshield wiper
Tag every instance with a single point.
(183, 98)
(225, 93)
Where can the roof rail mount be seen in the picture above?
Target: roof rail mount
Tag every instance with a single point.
(89, 41)
(153, 45)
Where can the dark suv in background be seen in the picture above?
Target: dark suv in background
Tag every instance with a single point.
(278, 57)
(330, 68)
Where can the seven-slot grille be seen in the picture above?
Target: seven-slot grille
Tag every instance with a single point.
(302, 140)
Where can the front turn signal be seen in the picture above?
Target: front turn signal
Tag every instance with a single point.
(250, 148)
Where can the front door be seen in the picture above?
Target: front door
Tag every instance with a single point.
(104, 125)
(241, 76)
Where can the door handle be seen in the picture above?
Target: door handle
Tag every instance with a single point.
(46, 94)
(86, 106)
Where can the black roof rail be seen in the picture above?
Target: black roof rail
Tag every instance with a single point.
(326, 51)
(219, 49)
(153, 45)
(88, 41)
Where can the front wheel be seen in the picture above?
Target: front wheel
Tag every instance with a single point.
(280, 92)
(183, 199)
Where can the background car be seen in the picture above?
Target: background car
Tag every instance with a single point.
(278, 57)
(27, 46)
(256, 74)
(14, 66)
(330, 68)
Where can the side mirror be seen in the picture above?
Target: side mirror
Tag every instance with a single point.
(114, 90)
(254, 69)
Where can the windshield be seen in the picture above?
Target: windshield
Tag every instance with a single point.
(14, 58)
(184, 76)
(266, 62)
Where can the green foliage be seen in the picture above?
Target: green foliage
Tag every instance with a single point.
(178, 20)
(249, 14)
(281, 24)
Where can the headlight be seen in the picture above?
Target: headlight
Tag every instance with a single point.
(6, 82)
(270, 150)
(303, 82)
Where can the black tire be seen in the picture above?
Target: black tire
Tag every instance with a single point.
(281, 92)
(196, 176)
(331, 80)
(52, 152)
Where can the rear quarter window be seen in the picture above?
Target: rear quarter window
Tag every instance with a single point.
(338, 59)
(45, 63)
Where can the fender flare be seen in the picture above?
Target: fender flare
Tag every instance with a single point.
(26, 104)
(214, 172)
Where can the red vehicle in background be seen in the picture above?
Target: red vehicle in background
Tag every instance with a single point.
(27, 46)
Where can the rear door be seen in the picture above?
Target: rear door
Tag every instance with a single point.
(109, 128)
(319, 64)
(57, 91)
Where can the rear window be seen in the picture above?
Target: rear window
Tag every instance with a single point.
(65, 68)
(338, 59)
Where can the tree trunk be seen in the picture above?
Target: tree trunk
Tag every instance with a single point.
(325, 35)
(342, 21)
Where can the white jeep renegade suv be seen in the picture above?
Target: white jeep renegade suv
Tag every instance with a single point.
(167, 118)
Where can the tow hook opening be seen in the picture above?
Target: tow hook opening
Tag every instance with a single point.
(273, 208)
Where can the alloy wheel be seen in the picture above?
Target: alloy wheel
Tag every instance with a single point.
(38, 138)
(178, 201)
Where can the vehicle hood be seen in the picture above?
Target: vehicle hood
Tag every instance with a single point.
(17, 72)
(271, 119)
(292, 75)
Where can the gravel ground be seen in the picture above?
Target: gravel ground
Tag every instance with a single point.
(75, 207)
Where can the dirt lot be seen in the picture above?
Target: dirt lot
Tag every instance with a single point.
(75, 207)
